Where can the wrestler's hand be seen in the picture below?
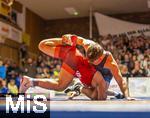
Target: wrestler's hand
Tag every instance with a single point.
(69, 39)
(130, 98)
(66, 39)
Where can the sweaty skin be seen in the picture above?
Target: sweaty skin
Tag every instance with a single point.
(110, 64)
(71, 58)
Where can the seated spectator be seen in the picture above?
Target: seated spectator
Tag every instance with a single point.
(23, 52)
(137, 71)
(124, 71)
(56, 71)
(126, 60)
(144, 62)
(17, 79)
(132, 63)
(11, 75)
(2, 70)
(39, 60)
(30, 68)
(46, 73)
(148, 71)
(13, 90)
(3, 88)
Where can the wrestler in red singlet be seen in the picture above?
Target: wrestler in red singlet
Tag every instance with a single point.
(74, 61)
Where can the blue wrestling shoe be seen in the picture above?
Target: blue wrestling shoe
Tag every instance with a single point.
(119, 96)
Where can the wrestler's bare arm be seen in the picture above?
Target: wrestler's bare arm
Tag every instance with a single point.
(113, 66)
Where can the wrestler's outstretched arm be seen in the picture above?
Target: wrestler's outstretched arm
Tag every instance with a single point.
(113, 66)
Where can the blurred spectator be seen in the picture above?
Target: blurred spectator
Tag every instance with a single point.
(56, 71)
(137, 71)
(124, 71)
(2, 70)
(15, 76)
(46, 73)
(145, 62)
(3, 88)
(17, 80)
(148, 71)
(13, 90)
(30, 68)
(129, 50)
(23, 52)
(39, 60)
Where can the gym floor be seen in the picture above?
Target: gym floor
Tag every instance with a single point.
(61, 107)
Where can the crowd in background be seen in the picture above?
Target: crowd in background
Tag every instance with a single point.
(132, 55)
(11, 73)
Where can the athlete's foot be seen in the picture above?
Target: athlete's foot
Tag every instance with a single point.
(73, 94)
(119, 96)
(73, 91)
(25, 84)
(75, 87)
(69, 89)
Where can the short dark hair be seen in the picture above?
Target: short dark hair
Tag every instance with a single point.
(94, 52)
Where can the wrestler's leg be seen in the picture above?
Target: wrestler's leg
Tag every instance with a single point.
(49, 46)
(100, 84)
(65, 79)
(99, 88)
(90, 93)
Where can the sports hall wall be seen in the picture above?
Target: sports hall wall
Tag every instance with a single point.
(39, 28)
(35, 28)
(78, 26)
(142, 17)
(9, 49)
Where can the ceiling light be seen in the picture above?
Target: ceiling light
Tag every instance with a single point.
(76, 13)
(71, 11)
(148, 3)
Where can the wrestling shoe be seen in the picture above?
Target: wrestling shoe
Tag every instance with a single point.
(73, 90)
(25, 84)
(119, 96)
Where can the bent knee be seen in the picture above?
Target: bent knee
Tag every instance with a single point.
(96, 98)
(41, 45)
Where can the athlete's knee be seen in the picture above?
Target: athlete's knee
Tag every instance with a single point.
(94, 98)
(42, 45)
(104, 98)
